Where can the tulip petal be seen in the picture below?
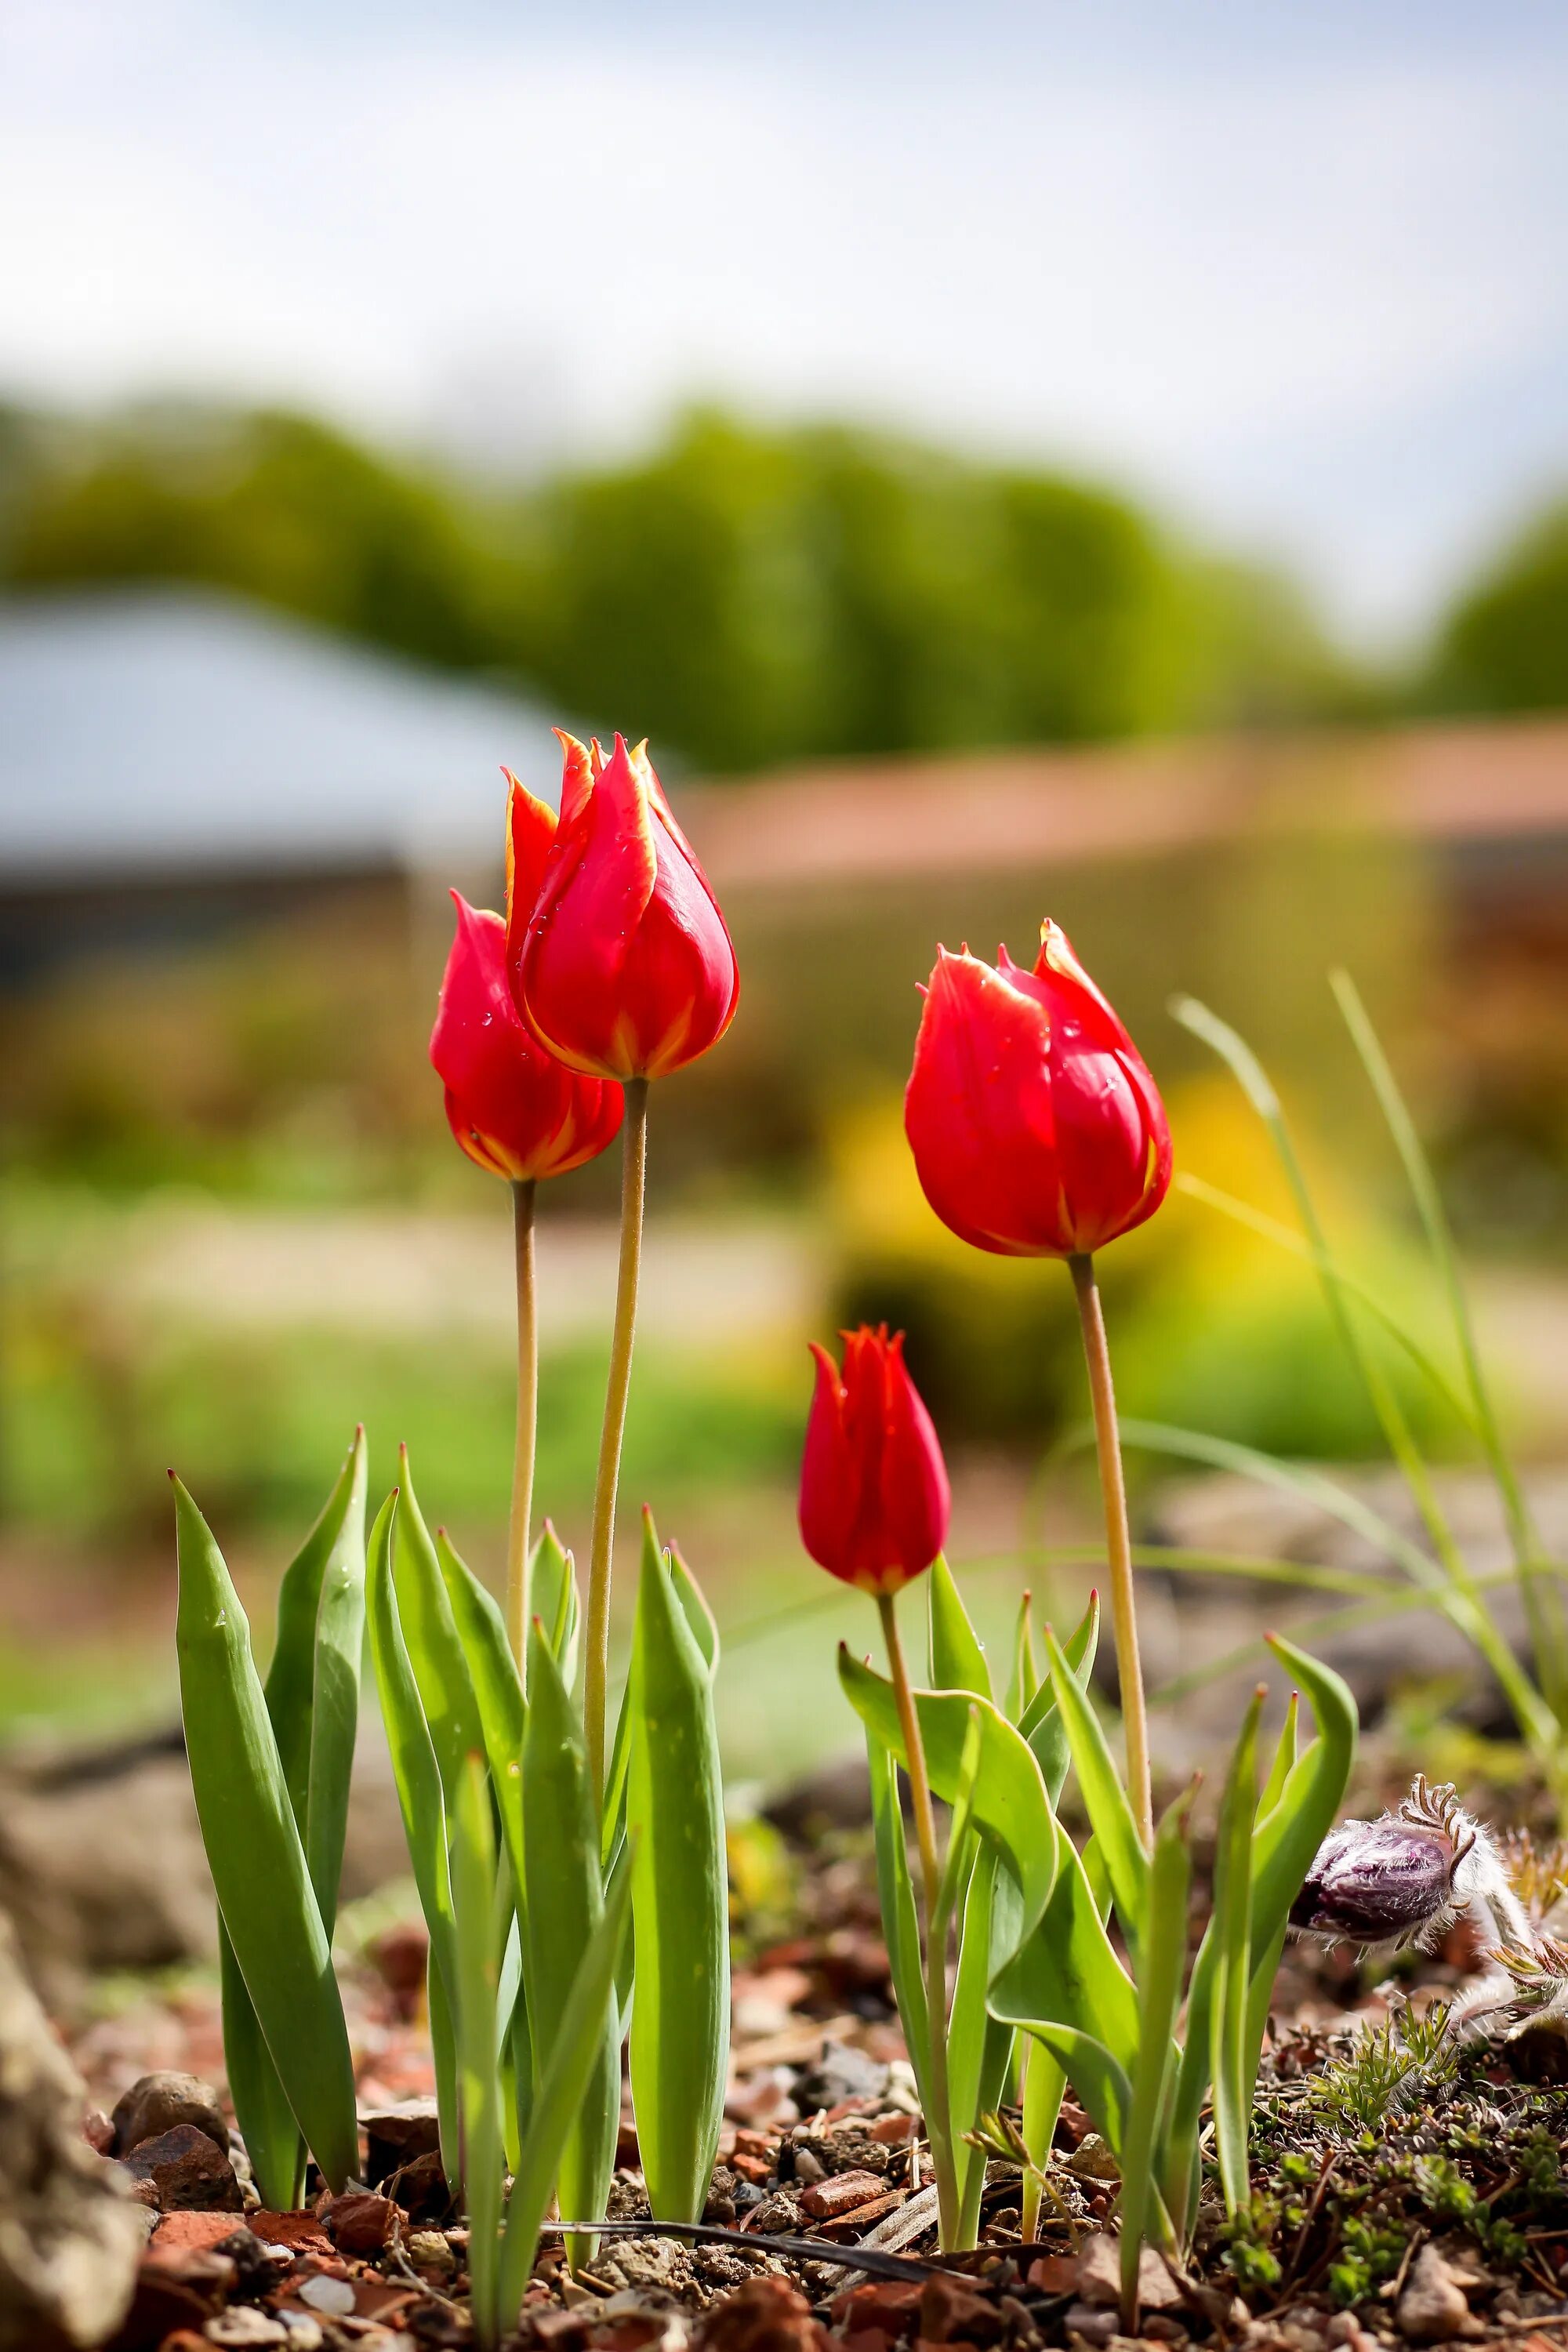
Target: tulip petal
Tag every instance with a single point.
(627, 969)
(530, 830)
(513, 1108)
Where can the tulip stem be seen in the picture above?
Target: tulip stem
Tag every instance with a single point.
(634, 1184)
(939, 2115)
(519, 1532)
(1118, 1544)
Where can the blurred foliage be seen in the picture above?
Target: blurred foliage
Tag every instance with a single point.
(96, 1396)
(752, 596)
(1505, 645)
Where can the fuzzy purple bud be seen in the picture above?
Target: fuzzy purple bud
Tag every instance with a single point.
(1378, 1882)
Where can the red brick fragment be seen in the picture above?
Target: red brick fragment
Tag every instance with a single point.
(186, 2170)
(1053, 2274)
(952, 2313)
(301, 2232)
(198, 2231)
(360, 2222)
(841, 2193)
(766, 2314)
(889, 2306)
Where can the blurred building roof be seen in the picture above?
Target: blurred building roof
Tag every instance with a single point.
(1470, 783)
(164, 732)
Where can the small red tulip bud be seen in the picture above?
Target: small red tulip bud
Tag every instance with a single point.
(1036, 1128)
(513, 1108)
(874, 1497)
(623, 964)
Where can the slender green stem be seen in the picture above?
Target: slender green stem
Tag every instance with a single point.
(1118, 1544)
(519, 1532)
(634, 1184)
(939, 2118)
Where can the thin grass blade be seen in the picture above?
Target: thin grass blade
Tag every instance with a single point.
(1269, 1229)
(1541, 1599)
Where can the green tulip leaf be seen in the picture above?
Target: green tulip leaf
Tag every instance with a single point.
(255, 1852)
(674, 1821)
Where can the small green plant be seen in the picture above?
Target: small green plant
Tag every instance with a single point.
(1411, 2056)
(1035, 1958)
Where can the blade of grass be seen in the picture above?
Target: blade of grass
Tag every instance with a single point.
(1183, 1560)
(1251, 1074)
(1269, 1229)
(1541, 1600)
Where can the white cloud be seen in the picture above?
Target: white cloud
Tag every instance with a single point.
(1231, 284)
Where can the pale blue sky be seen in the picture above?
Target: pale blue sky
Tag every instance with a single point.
(1298, 272)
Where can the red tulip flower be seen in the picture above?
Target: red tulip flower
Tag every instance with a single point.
(1036, 1129)
(512, 1108)
(874, 1498)
(623, 965)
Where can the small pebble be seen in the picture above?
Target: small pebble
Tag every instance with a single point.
(427, 2251)
(332, 2296)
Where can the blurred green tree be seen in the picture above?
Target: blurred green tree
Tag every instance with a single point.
(744, 596)
(1505, 644)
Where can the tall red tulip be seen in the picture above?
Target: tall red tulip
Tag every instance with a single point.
(514, 1109)
(874, 1498)
(1036, 1128)
(1038, 1132)
(521, 1114)
(623, 966)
